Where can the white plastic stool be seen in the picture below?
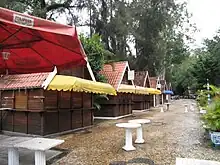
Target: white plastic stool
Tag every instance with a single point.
(13, 156)
(161, 108)
(186, 108)
(128, 134)
(140, 138)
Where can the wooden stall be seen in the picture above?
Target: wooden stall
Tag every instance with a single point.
(27, 107)
(121, 105)
(164, 87)
(155, 98)
(116, 106)
(42, 112)
(141, 101)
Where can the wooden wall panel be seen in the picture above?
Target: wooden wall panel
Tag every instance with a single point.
(21, 98)
(64, 100)
(107, 110)
(35, 99)
(7, 99)
(34, 123)
(50, 101)
(87, 100)
(77, 71)
(77, 100)
(87, 74)
(87, 118)
(51, 122)
(64, 121)
(125, 79)
(20, 122)
(77, 119)
(66, 72)
(7, 121)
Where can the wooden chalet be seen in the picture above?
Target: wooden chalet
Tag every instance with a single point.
(121, 105)
(167, 97)
(164, 87)
(29, 107)
(155, 83)
(141, 102)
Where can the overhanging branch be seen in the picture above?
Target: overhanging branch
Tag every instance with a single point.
(63, 5)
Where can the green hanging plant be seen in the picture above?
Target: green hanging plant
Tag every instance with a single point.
(98, 99)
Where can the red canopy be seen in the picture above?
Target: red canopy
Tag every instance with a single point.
(30, 44)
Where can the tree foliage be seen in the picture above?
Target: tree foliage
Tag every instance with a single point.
(154, 26)
(48, 9)
(182, 77)
(95, 51)
(203, 65)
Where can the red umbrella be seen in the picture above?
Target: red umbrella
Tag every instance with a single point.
(30, 44)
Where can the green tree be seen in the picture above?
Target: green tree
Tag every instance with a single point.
(158, 30)
(182, 77)
(96, 54)
(94, 49)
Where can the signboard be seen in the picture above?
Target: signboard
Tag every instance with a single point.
(131, 75)
(159, 86)
(22, 20)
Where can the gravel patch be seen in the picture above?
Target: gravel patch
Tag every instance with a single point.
(171, 134)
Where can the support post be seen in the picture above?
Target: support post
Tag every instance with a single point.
(139, 139)
(161, 109)
(154, 98)
(208, 91)
(13, 156)
(186, 108)
(128, 140)
(40, 158)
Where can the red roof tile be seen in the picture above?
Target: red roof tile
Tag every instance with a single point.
(153, 82)
(114, 72)
(19, 81)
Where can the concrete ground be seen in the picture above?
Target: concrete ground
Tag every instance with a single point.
(171, 134)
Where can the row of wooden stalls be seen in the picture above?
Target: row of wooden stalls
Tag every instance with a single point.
(62, 101)
(132, 93)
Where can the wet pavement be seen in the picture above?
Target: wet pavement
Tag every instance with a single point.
(171, 134)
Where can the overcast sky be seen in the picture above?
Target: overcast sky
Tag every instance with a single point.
(206, 15)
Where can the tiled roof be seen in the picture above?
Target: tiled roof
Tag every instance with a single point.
(114, 72)
(153, 82)
(140, 78)
(19, 81)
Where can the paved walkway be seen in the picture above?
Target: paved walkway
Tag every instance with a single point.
(171, 134)
(26, 156)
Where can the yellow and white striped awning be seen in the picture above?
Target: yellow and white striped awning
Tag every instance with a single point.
(124, 88)
(153, 91)
(71, 83)
(141, 90)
